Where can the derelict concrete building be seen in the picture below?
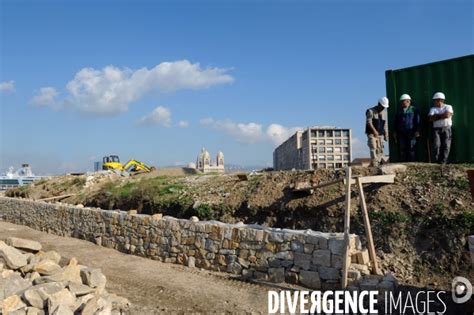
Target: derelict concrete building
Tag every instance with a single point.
(315, 147)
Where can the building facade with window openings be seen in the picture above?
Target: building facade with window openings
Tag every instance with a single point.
(313, 148)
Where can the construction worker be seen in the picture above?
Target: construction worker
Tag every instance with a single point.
(376, 129)
(440, 114)
(407, 129)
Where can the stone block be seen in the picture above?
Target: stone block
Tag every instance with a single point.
(329, 273)
(297, 246)
(275, 237)
(364, 269)
(46, 267)
(93, 277)
(363, 257)
(322, 257)
(284, 247)
(244, 263)
(286, 255)
(260, 275)
(336, 246)
(63, 297)
(234, 268)
(336, 261)
(354, 275)
(390, 169)
(308, 248)
(12, 304)
(13, 258)
(191, 262)
(24, 244)
(310, 279)
(302, 260)
(276, 275)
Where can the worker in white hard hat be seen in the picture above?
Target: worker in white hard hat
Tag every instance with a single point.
(407, 129)
(376, 128)
(441, 115)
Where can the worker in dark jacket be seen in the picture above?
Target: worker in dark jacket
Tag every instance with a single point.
(376, 129)
(407, 129)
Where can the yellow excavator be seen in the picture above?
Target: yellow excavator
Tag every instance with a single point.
(112, 162)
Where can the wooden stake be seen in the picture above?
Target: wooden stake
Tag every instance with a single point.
(347, 219)
(368, 229)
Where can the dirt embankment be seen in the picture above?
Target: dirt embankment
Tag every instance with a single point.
(419, 222)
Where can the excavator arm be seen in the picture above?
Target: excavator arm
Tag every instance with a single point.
(137, 166)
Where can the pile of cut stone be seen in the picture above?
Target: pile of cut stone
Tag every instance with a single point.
(33, 282)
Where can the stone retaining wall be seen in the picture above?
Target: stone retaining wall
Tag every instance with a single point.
(312, 259)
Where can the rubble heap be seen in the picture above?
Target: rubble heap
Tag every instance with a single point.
(33, 281)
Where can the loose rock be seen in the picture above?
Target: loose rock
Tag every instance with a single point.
(12, 256)
(24, 244)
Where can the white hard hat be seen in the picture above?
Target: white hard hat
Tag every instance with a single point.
(405, 97)
(439, 95)
(383, 101)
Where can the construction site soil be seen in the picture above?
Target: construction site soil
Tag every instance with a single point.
(420, 222)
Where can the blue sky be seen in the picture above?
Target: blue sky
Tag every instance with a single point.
(158, 80)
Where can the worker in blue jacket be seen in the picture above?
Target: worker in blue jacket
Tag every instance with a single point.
(407, 129)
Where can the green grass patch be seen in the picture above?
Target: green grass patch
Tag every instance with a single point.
(462, 221)
(461, 183)
(126, 190)
(170, 189)
(388, 217)
(205, 212)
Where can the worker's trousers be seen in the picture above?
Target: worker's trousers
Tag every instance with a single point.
(407, 145)
(441, 144)
(376, 149)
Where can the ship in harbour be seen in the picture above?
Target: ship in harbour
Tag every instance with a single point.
(22, 176)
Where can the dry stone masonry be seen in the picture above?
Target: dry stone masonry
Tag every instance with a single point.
(312, 259)
(34, 282)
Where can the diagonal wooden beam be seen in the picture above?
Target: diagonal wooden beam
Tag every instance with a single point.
(368, 229)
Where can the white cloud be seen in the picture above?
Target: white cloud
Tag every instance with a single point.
(251, 132)
(111, 90)
(7, 86)
(277, 134)
(183, 124)
(160, 116)
(244, 133)
(207, 121)
(46, 97)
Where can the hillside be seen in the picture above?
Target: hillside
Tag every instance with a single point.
(419, 222)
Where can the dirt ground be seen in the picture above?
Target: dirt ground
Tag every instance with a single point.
(152, 286)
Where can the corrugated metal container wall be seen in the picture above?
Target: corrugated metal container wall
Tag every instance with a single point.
(453, 77)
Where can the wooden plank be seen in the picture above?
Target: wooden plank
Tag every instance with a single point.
(383, 179)
(368, 229)
(387, 179)
(56, 197)
(337, 181)
(347, 218)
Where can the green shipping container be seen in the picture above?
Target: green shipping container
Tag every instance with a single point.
(453, 77)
